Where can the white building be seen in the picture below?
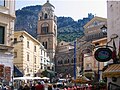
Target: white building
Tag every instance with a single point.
(45, 60)
(7, 17)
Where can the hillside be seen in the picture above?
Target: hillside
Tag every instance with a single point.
(68, 29)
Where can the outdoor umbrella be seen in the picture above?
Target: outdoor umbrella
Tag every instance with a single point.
(81, 79)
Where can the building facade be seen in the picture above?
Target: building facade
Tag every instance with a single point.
(113, 19)
(44, 59)
(47, 29)
(64, 58)
(93, 37)
(26, 53)
(7, 18)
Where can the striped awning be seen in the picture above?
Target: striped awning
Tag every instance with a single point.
(112, 71)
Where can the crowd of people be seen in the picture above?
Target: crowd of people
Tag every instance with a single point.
(38, 86)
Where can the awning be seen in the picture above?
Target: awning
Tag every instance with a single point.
(88, 74)
(48, 73)
(112, 71)
(81, 79)
(17, 72)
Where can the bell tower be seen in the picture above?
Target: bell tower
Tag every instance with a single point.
(47, 28)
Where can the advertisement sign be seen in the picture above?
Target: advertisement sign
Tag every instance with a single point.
(103, 54)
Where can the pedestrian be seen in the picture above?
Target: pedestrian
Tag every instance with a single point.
(26, 87)
(49, 87)
(33, 86)
(4, 87)
(55, 87)
(20, 88)
(39, 86)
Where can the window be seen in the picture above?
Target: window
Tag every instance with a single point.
(44, 28)
(41, 66)
(68, 61)
(34, 48)
(44, 44)
(2, 33)
(28, 57)
(61, 62)
(45, 16)
(15, 54)
(35, 59)
(15, 40)
(28, 70)
(27, 44)
(72, 61)
(2, 2)
(41, 52)
(65, 62)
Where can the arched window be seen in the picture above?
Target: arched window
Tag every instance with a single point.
(68, 60)
(46, 16)
(72, 61)
(61, 62)
(65, 62)
(58, 62)
(44, 44)
(44, 28)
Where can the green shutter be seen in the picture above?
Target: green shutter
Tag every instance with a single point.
(2, 32)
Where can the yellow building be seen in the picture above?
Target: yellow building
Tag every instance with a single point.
(26, 53)
(7, 17)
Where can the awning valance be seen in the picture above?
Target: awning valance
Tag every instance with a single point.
(112, 71)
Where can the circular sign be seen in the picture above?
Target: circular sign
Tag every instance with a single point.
(103, 54)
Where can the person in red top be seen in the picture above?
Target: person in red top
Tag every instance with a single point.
(39, 86)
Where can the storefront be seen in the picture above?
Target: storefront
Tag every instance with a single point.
(113, 76)
(6, 67)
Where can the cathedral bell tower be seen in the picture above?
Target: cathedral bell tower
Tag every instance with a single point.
(47, 29)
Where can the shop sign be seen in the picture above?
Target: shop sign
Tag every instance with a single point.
(103, 54)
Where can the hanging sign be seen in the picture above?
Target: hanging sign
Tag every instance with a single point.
(103, 54)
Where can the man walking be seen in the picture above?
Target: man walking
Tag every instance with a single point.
(39, 86)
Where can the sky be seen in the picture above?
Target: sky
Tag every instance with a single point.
(76, 9)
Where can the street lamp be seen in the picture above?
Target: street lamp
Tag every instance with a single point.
(104, 30)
